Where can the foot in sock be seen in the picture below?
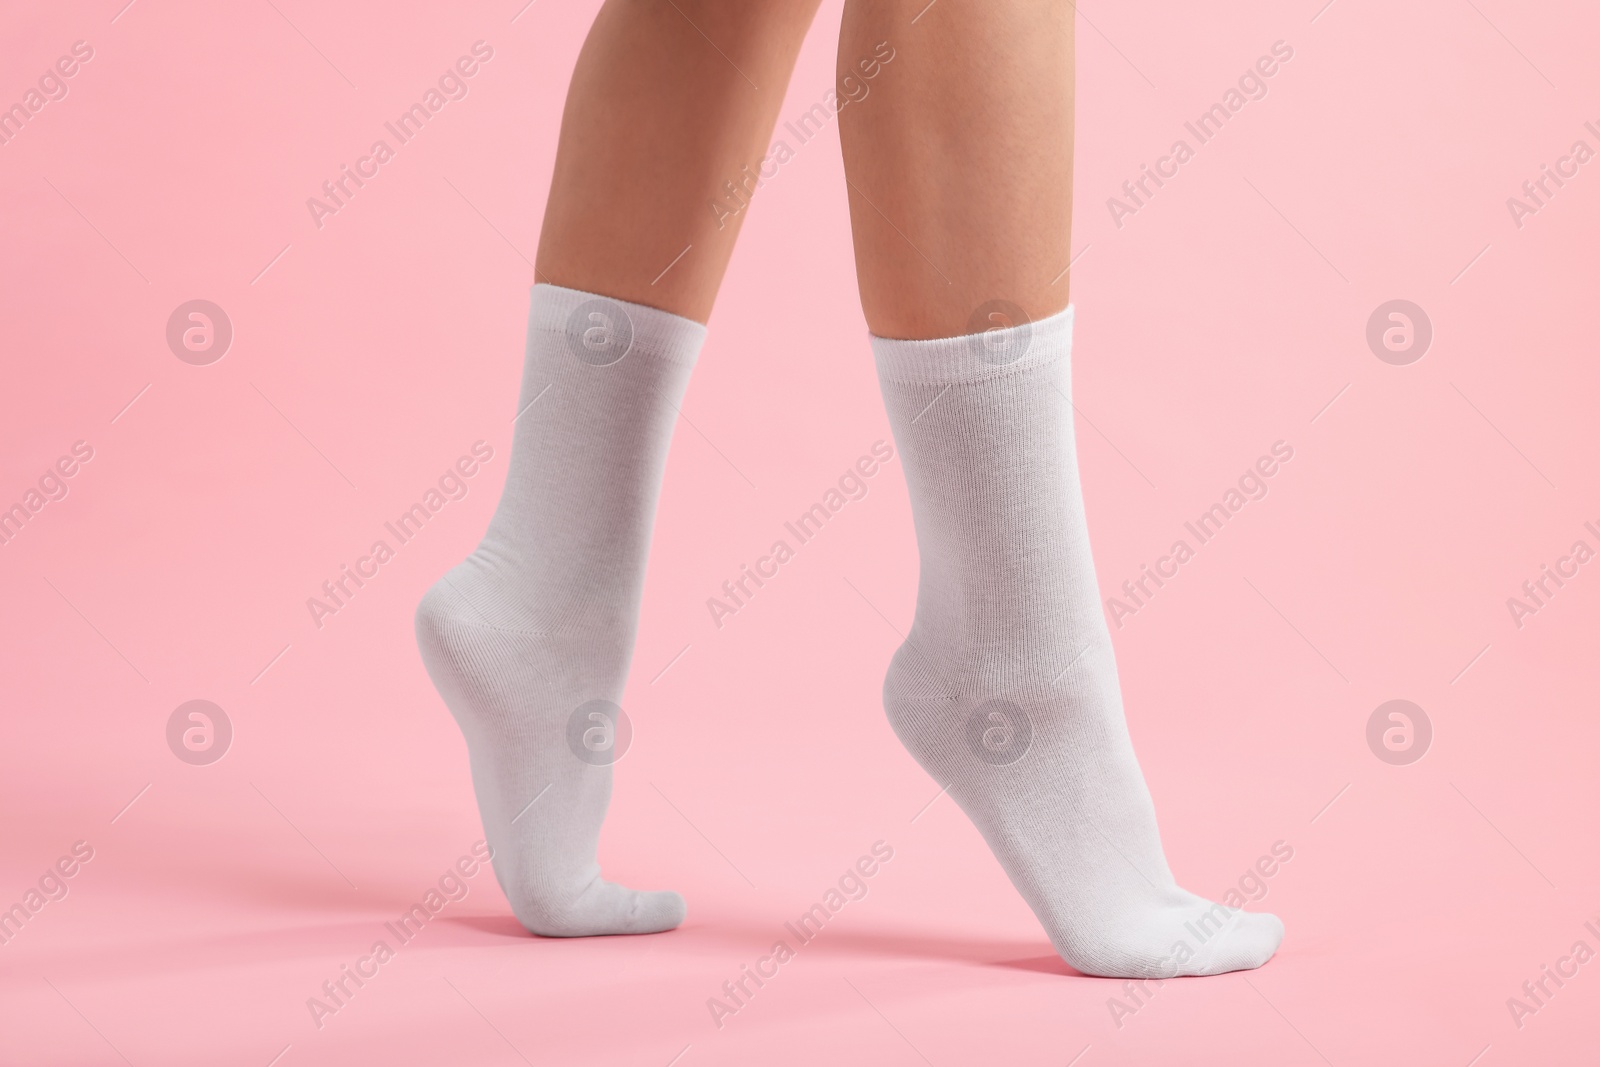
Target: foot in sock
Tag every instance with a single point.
(537, 625)
(1006, 689)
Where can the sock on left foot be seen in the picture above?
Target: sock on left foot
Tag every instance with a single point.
(1006, 688)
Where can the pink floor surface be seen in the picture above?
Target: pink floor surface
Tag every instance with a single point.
(209, 499)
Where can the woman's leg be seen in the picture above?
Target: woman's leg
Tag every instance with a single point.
(1006, 691)
(670, 100)
(960, 162)
(529, 639)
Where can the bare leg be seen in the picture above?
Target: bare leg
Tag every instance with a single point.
(668, 102)
(960, 162)
(1006, 690)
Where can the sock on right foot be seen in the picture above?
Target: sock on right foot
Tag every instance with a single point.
(529, 639)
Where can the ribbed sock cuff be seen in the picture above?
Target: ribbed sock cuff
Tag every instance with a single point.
(976, 356)
(618, 328)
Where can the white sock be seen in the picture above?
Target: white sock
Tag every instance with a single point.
(1006, 689)
(529, 639)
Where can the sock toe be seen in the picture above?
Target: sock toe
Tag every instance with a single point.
(655, 911)
(1248, 941)
(607, 908)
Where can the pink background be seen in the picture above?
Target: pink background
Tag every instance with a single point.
(1222, 317)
